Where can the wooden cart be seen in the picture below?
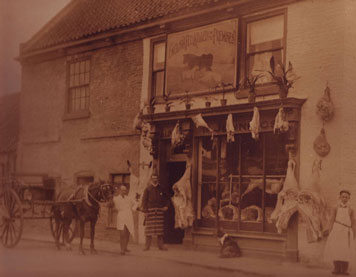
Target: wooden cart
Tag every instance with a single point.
(27, 197)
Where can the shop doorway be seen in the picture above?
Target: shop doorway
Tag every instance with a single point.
(175, 171)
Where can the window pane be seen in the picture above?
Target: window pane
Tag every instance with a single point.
(158, 83)
(265, 30)
(87, 66)
(258, 63)
(77, 67)
(82, 103)
(77, 104)
(86, 81)
(81, 79)
(72, 69)
(252, 155)
(82, 66)
(76, 80)
(229, 193)
(159, 55)
(208, 176)
(71, 80)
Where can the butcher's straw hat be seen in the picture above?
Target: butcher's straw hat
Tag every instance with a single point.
(345, 191)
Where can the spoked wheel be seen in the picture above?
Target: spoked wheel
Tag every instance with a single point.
(59, 232)
(11, 220)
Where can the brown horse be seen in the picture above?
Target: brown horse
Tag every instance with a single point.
(83, 206)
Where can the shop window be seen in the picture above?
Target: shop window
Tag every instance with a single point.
(118, 179)
(85, 180)
(264, 38)
(239, 181)
(78, 86)
(158, 68)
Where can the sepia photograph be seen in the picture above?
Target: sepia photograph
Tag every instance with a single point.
(177, 138)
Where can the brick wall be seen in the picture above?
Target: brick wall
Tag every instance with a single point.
(320, 47)
(100, 144)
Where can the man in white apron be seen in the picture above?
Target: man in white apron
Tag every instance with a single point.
(124, 206)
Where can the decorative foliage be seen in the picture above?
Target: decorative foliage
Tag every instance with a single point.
(284, 78)
(168, 103)
(251, 81)
(187, 100)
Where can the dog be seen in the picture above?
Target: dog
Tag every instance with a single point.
(229, 247)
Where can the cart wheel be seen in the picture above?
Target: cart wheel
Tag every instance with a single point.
(11, 220)
(59, 233)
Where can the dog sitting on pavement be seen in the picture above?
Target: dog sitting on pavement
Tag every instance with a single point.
(229, 247)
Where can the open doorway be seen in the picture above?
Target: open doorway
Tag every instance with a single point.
(175, 171)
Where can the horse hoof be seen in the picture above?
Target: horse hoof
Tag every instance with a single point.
(81, 252)
(93, 252)
(68, 248)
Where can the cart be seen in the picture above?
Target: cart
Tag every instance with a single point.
(28, 197)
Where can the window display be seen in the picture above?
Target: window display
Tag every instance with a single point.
(247, 174)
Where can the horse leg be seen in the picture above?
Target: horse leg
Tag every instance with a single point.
(66, 225)
(57, 233)
(81, 251)
(92, 234)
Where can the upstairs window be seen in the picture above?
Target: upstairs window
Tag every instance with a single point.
(79, 79)
(265, 37)
(158, 68)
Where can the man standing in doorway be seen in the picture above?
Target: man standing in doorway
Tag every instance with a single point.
(124, 206)
(154, 204)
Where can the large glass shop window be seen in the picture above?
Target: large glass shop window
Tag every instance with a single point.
(239, 181)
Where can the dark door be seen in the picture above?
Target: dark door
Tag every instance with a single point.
(175, 171)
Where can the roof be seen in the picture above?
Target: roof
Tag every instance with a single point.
(83, 18)
(9, 121)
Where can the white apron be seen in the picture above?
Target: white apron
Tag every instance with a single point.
(340, 245)
(124, 206)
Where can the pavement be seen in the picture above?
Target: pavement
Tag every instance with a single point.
(206, 259)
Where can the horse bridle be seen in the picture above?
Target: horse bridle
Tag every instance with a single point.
(101, 191)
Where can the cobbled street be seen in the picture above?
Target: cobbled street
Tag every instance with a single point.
(37, 259)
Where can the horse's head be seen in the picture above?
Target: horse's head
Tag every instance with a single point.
(106, 192)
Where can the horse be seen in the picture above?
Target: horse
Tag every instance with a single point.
(83, 205)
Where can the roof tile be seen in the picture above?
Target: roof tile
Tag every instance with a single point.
(83, 18)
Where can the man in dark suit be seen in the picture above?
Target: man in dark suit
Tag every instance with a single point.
(154, 204)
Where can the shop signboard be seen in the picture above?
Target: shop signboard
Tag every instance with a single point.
(200, 59)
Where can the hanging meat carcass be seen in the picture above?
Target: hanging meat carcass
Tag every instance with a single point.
(273, 186)
(138, 185)
(325, 107)
(321, 145)
(145, 133)
(230, 130)
(137, 123)
(177, 137)
(200, 122)
(280, 123)
(287, 200)
(255, 124)
(182, 200)
(312, 205)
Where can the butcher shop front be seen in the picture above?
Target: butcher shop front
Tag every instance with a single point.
(234, 175)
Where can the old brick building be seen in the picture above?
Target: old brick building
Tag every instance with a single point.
(94, 66)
